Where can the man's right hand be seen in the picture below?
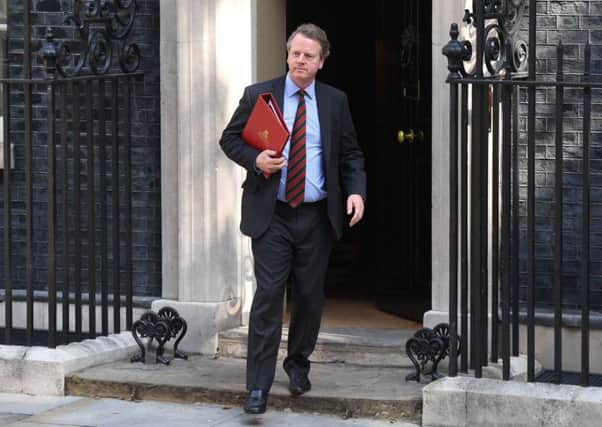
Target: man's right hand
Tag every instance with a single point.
(267, 163)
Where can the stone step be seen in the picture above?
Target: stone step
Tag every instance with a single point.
(356, 346)
(337, 388)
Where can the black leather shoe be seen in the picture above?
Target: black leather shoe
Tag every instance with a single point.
(256, 402)
(299, 383)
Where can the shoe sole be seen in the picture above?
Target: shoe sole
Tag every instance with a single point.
(298, 392)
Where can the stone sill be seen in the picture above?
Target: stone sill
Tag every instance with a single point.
(463, 401)
(42, 371)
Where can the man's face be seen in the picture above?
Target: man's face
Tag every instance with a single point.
(304, 60)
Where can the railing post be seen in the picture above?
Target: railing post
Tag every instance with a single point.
(129, 290)
(585, 226)
(558, 220)
(65, 213)
(506, 248)
(91, 200)
(115, 206)
(49, 54)
(495, 226)
(454, 51)
(28, 172)
(464, 226)
(477, 254)
(8, 296)
(531, 198)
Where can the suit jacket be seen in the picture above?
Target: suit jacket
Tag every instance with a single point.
(343, 159)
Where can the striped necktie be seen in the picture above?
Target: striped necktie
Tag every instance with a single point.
(295, 180)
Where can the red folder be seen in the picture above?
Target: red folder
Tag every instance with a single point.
(266, 129)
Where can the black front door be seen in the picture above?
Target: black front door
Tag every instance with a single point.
(381, 57)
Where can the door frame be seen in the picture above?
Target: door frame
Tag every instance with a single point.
(444, 12)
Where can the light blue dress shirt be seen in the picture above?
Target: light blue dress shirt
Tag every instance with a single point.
(314, 172)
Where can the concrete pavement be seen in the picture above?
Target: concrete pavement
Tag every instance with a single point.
(20, 410)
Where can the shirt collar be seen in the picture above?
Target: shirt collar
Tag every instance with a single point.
(290, 88)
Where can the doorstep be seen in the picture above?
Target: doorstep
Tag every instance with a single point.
(337, 388)
(356, 346)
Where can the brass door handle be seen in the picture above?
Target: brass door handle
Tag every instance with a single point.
(405, 136)
(409, 136)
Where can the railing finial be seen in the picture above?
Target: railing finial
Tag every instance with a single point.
(49, 53)
(456, 53)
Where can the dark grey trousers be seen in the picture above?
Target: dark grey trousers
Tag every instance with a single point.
(298, 242)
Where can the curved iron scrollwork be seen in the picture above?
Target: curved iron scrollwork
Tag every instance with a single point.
(161, 326)
(104, 27)
(426, 349)
(177, 329)
(503, 20)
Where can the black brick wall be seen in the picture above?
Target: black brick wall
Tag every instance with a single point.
(145, 149)
(574, 23)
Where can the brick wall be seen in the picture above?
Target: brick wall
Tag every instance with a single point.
(145, 148)
(574, 23)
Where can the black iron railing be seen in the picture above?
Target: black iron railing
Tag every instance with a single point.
(86, 129)
(491, 78)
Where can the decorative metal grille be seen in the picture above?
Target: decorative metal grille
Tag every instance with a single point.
(104, 27)
(503, 20)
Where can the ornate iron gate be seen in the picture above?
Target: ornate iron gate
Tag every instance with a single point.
(492, 76)
(81, 106)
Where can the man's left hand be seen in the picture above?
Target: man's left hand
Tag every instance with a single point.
(355, 206)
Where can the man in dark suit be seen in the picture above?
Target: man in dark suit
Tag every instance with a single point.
(295, 215)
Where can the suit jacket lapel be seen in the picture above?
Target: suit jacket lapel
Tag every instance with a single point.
(323, 103)
(278, 92)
